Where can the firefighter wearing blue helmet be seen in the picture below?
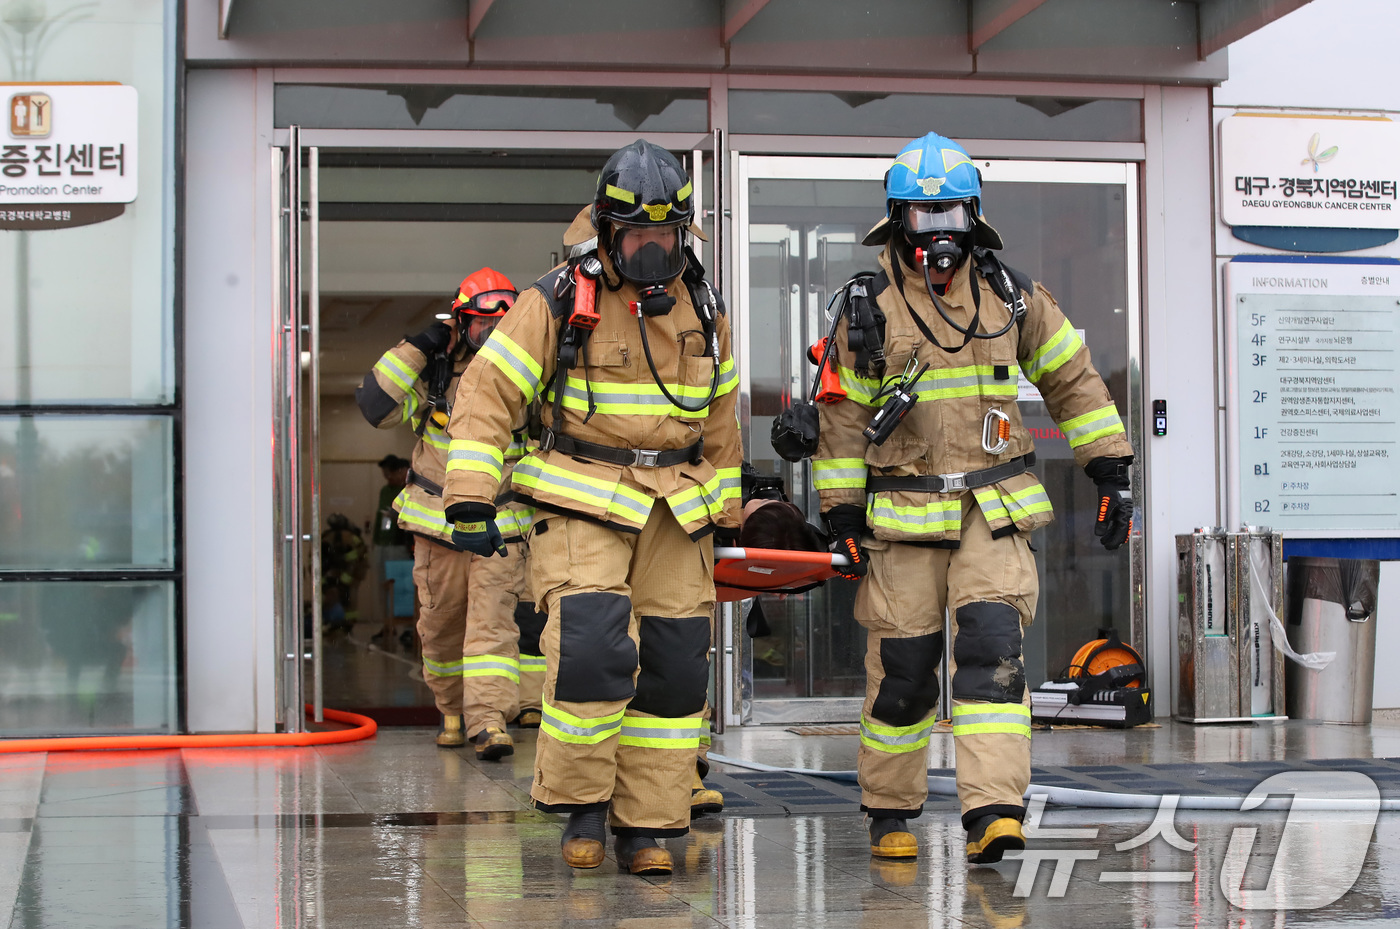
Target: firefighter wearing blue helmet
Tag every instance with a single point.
(924, 474)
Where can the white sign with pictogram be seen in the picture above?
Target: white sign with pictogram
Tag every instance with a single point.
(1311, 171)
(68, 144)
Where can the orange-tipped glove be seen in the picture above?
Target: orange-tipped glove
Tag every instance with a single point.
(845, 524)
(1115, 512)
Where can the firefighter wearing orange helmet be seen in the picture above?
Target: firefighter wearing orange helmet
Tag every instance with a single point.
(467, 619)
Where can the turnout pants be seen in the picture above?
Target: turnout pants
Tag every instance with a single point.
(466, 620)
(626, 652)
(530, 622)
(989, 587)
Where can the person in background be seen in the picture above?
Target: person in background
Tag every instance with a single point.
(466, 619)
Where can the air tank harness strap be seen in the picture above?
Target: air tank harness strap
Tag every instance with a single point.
(421, 481)
(948, 483)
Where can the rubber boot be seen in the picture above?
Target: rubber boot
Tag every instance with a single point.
(704, 800)
(451, 734)
(640, 854)
(993, 836)
(584, 835)
(493, 744)
(528, 719)
(890, 838)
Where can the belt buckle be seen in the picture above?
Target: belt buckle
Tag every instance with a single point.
(645, 457)
(956, 481)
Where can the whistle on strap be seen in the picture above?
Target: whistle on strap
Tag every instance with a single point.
(829, 389)
(996, 432)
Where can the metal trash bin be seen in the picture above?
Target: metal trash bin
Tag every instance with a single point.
(1332, 608)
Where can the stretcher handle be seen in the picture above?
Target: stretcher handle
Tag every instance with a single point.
(781, 556)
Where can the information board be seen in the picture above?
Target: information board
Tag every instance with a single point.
(1314, 414)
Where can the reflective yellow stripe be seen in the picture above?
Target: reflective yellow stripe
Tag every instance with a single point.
(705, 736)
(935, 384)
(491, 666)
(466, 455)
(519, 447)
(410, 406)
(655, 732)
(831, 473)
(895, 740)
(1016, 506)
(415, 514)
(514, 362)
(684, 191)
(569, 728)
(934, 516)
(396, 371)
(987, 718)
(617, 193)
(531, 664)
(440, 669)
(1060, 348)
(616, 498)
(1085, 429)
(731, 484)
(435, 437)
(696, 502)
(640, 399)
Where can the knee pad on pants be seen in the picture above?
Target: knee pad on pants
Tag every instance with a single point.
(910, 686)
(988, 653)
(530, 622)
(675, 666)
(596, 656)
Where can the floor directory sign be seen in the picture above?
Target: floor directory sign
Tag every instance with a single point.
(1315, 373)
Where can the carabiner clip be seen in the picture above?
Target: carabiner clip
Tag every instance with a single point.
(996, 432)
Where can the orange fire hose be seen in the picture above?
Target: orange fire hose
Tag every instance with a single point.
(364, 728)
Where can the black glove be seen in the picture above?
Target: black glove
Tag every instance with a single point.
(1115, 517)
(726, 538)
(845, 523)
(474, 529)
(433, 340)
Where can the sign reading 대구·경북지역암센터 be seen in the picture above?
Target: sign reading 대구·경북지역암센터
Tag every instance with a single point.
(69, 154)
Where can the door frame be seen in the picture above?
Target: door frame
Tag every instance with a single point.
(741, 708)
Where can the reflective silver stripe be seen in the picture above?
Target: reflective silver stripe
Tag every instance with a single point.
(582, 731)
(529, 468)
(977, 719)
(918, 735)
(462, 454)
(689, 734)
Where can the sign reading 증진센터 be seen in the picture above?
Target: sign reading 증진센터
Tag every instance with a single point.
(69, 154)
(1311, 171)
(1317, 398)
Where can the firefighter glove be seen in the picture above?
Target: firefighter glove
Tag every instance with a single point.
(845, 523)
(474, 529)
(434, 340)
(1115, 514)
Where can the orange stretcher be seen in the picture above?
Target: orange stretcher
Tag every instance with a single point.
(741, 573)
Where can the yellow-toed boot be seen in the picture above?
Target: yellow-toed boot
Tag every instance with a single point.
(993, 836)
(890, 838)
(451, 734)
(704, 800)
(492, 744)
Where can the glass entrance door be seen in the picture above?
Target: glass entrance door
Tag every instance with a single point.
(798, 225)
(375, 253)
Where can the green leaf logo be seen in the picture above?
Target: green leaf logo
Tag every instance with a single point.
(1316, 158)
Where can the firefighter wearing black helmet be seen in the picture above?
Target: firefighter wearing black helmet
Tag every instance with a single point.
(626, 348)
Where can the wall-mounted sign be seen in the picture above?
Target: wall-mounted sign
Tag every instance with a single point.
(69, 154)
(1315, 403)
(1318, 171)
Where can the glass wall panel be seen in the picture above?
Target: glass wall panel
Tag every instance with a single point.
(85, 311)
(782, 112)
(86, 492)
(437, 106)
(87, 657)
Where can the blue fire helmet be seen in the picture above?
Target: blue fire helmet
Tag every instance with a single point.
(928, 169)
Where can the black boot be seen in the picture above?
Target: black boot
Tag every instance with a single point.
(640, 854)
(992, 836)
(890, 838)
(584, 834)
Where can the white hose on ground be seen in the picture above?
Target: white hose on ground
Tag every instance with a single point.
(1099, 799)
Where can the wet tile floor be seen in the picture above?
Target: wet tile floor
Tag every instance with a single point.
(396, 832)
